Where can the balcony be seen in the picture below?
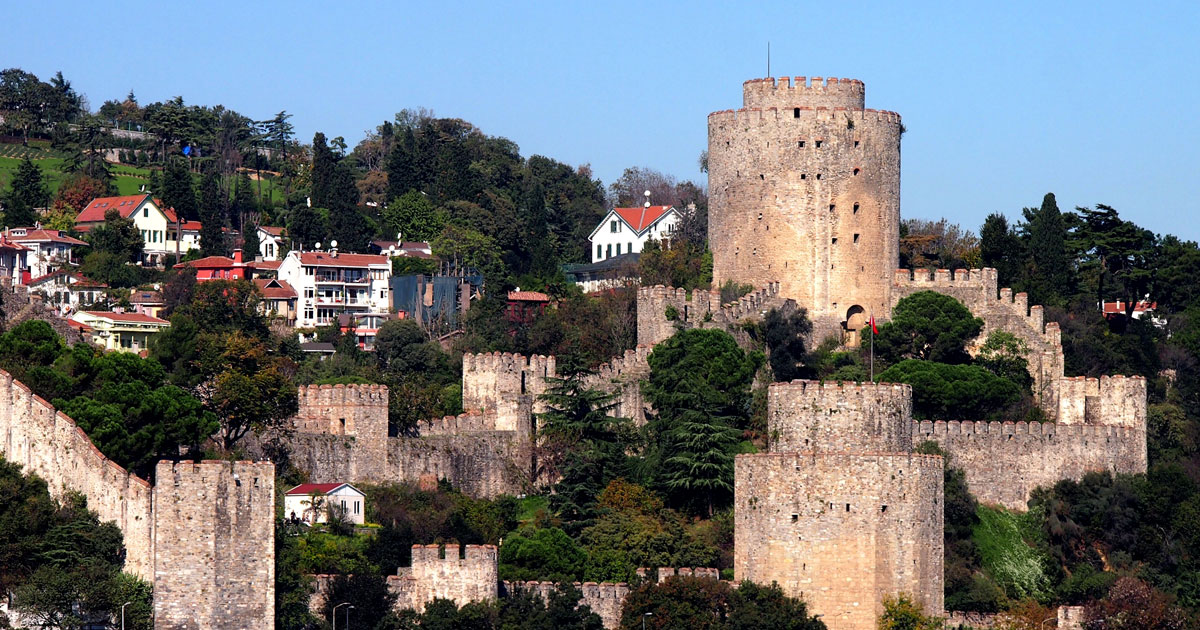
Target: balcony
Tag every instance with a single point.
(349, 277)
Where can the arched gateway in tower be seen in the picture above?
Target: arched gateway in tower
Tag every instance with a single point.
(804, 189)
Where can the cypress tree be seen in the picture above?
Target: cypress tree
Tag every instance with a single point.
(212, 217)
(177, 191)
(1000, 248)
(27, 192)
(1050, 275)
(400, 165)
(323, 171)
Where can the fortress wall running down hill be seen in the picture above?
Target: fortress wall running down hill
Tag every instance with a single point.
(440, 572)
(839, 417)
(50, 445)
(699, 309)
(1005, 461)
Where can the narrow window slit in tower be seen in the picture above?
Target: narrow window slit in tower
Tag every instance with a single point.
(832, 207)
(856, 172)
(801, 144)
(796, 113)
(847, 507)
(835, 240)
(818, 176)
(795, 518)
(760, 216)
(855, 238)
(818, 144)
(803, 176)
(855, 208)
(761, 176)
(883, 508)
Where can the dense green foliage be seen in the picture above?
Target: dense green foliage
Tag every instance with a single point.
(953, 392)
(695, 603)
(784, 335)
(929, 326)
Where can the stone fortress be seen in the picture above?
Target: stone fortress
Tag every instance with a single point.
(804, 192)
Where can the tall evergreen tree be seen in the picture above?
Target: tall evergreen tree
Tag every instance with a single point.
(400, 165)
(346, 223)
(1001, 249)
(212, 217)
(1049, 277)
(177, 191)
(27, 192)
(324, 166)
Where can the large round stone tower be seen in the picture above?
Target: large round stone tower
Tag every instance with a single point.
(804, 189)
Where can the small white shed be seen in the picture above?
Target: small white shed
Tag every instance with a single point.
(311, 502)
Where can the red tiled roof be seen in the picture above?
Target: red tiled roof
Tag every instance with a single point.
(320, 488)
(273, 289)
(210, 262)
(94, 211)
(145, 297)
(127, 317)
(54, 236)
(269, 265)
(272, 230)
(1119, 307)
(326, 259)
(80, 281)
(7, 244)
(641, 218)
(528, 296)
(193, 226)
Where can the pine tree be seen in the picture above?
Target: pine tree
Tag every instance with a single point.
(212, 217)
(27, 192)
(1050, 276)
(347, 225)
(400, 165)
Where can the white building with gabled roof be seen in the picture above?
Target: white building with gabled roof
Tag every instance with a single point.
(626, 230)
(329, 283)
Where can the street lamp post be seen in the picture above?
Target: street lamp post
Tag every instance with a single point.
(644, 615)
(123, 614)
(333, 615)
(1043, 624)
(348, 617)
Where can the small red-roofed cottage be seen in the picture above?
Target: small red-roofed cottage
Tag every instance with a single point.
(67, 290)
(312, 502)
(278, 299)
(48, 249)
(219, 267)
(523, 307)
(626, 230)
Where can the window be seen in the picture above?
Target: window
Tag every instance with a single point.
(834, 242)
(614, 226)
(803, 176)
(818, 176)
(608, 251)
(308, 313)
(855, 208)
(383, 294)
(819, 144)
(308, 271)
(145, 212)
(856, 172)
(599, 251)
(618, 249)
(357, 506)
(855, 238)
(832, 207)
(856, 144)
(796, 113)
(308, 293)
(801, 144)
(629, 248)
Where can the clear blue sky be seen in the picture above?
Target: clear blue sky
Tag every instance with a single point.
(1095, 101)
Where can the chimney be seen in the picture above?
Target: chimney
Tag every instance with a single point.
(237, 256)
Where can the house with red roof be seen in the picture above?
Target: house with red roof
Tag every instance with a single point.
(127, 332)
(271, 242)
(330, 283)
(219, 267)
(162, 231)
(313, 502)
(278, 299)
(14, 261)
(48, 249)
(523, 307)
(67, 290)
(626, 230)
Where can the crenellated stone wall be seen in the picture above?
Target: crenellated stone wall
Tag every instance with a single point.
(214, 537)
(841, 530)
(495, 382)
(698, 309)
(1005, 461)
(50, 445)
(356, 411)
(442, 572)
(839, 417)
(623, 377)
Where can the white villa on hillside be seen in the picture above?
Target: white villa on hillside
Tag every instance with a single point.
(329, 283)
(49, 250)
(157, 225)
(626, 230)
(311, 502)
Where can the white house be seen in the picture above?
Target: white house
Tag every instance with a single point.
(626, 230)
(14, 261)
(49, 250)
(67, 291)
(311, 502)
(270, 242)
(128, 332)
(159, 226)
(330, 283)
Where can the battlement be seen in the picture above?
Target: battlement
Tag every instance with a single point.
(469, 422)
(632, 361)
(750, 304)
(1109, 400)
(784, 92)
(666, 573)
(1005, 461)
(423, 555)
(982, 278)
(851, 417)
(783, 114)
(438, 571)
(492, 382)
(604, 598)
(345, 395)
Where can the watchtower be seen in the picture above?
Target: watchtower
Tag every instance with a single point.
(804, 189)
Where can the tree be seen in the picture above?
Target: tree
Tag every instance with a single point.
(307, 226)
(1049, 275)
(1119, 249)
(683, 264)
(785, 335)
(700, 389)
(930, 326)
(953, 392)
(324, 163)
(413, 216)
(26, 194)
(691, 602)
(226, 306)
(118, 236)
(250, 241)
(541, 554)
(368, 595)
(178, 192)
(1132, 603)
(1001, 248)
(246, 388)
(902, 613)
(212, 217)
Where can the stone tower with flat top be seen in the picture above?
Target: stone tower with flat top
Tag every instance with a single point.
(804, 189)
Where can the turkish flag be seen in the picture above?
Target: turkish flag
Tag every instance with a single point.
(874, 330)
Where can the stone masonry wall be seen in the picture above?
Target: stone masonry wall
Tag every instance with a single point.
(496, 381)
(214, 536)
(839, 418)
(360, 411)
(49, 444)
(841, 530)
(804, 189)
(623, 376)
(1003, 462)
(441, 573)
(699, 309)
